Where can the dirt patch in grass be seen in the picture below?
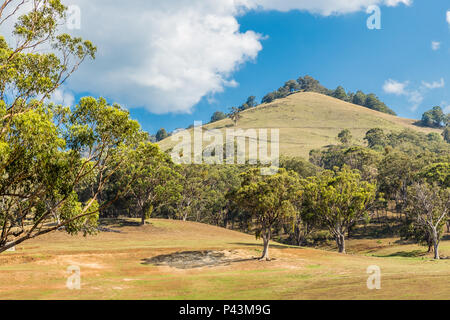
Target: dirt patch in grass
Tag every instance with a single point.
(198, 259)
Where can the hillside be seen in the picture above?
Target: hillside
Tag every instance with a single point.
(310, 120)
(185, 260)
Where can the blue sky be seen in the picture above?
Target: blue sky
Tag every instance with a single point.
(397, 62)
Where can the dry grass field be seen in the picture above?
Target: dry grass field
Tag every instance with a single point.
(183, 260)
(310, 120)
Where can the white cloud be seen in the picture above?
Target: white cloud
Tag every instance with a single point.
(414, 96)
(434, 84)
(395, 87)
(323, 7)
(168, 55)
(448, 17)
(435, 45)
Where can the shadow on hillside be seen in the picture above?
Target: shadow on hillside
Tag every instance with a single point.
(196, 259)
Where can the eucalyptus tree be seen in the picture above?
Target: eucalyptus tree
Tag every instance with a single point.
(429, 206)
(269, 200)
(339, 199)
(48, 151)
(152, 177)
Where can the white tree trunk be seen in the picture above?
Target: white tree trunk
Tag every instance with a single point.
(265, 255)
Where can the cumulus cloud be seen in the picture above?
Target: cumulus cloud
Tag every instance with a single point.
(168, 55)
(414, 96)
(434, 84)
(448, 17)
(395, 87)
(435, 45)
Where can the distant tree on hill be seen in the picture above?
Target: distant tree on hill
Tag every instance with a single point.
(359, 98)
(340, 93)
(161, 135)
(372, 102)
(217, 116)
(268, 98)
(309, 84)
(345, 137)
(292, 86)
(269, 201)
(235, 115)
(250, 103)
(434, 118)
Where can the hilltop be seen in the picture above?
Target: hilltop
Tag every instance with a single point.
(310, 120)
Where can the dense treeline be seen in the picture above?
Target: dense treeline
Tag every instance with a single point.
(337, 191)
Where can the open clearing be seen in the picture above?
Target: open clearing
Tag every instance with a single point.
(183, 260)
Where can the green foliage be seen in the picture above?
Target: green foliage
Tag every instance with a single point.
(250, 103)
(340, 94)
(269, 200)
(376, 138)
(446, 134)
(437, 173)
(428, 208)
(161, 135)
(339, 199)
(217, 116)
(374, 103)
(235, 115)
(345, 137)
(434, 118)
(302, 167)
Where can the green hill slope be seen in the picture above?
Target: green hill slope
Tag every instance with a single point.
(310, 120)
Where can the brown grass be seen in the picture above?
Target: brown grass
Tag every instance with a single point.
(113, 267)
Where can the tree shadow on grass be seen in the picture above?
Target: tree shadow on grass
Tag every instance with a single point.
(405, 254)
(276, 246)
(196, 259)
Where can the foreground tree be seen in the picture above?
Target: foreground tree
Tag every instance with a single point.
(339, 199)
(429, 206)
(45, 165)
(151, 177)
(47, 152)
(269, 200)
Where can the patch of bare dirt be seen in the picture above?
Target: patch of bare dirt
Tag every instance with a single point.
(198, 259)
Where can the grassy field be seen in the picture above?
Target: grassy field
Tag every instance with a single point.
(183, 260)
(310, 120)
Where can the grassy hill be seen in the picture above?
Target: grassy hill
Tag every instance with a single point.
(310, 120)
(184, 260)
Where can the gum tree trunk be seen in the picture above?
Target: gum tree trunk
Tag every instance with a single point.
(340, 241)
(266, 239)
(436, 244)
